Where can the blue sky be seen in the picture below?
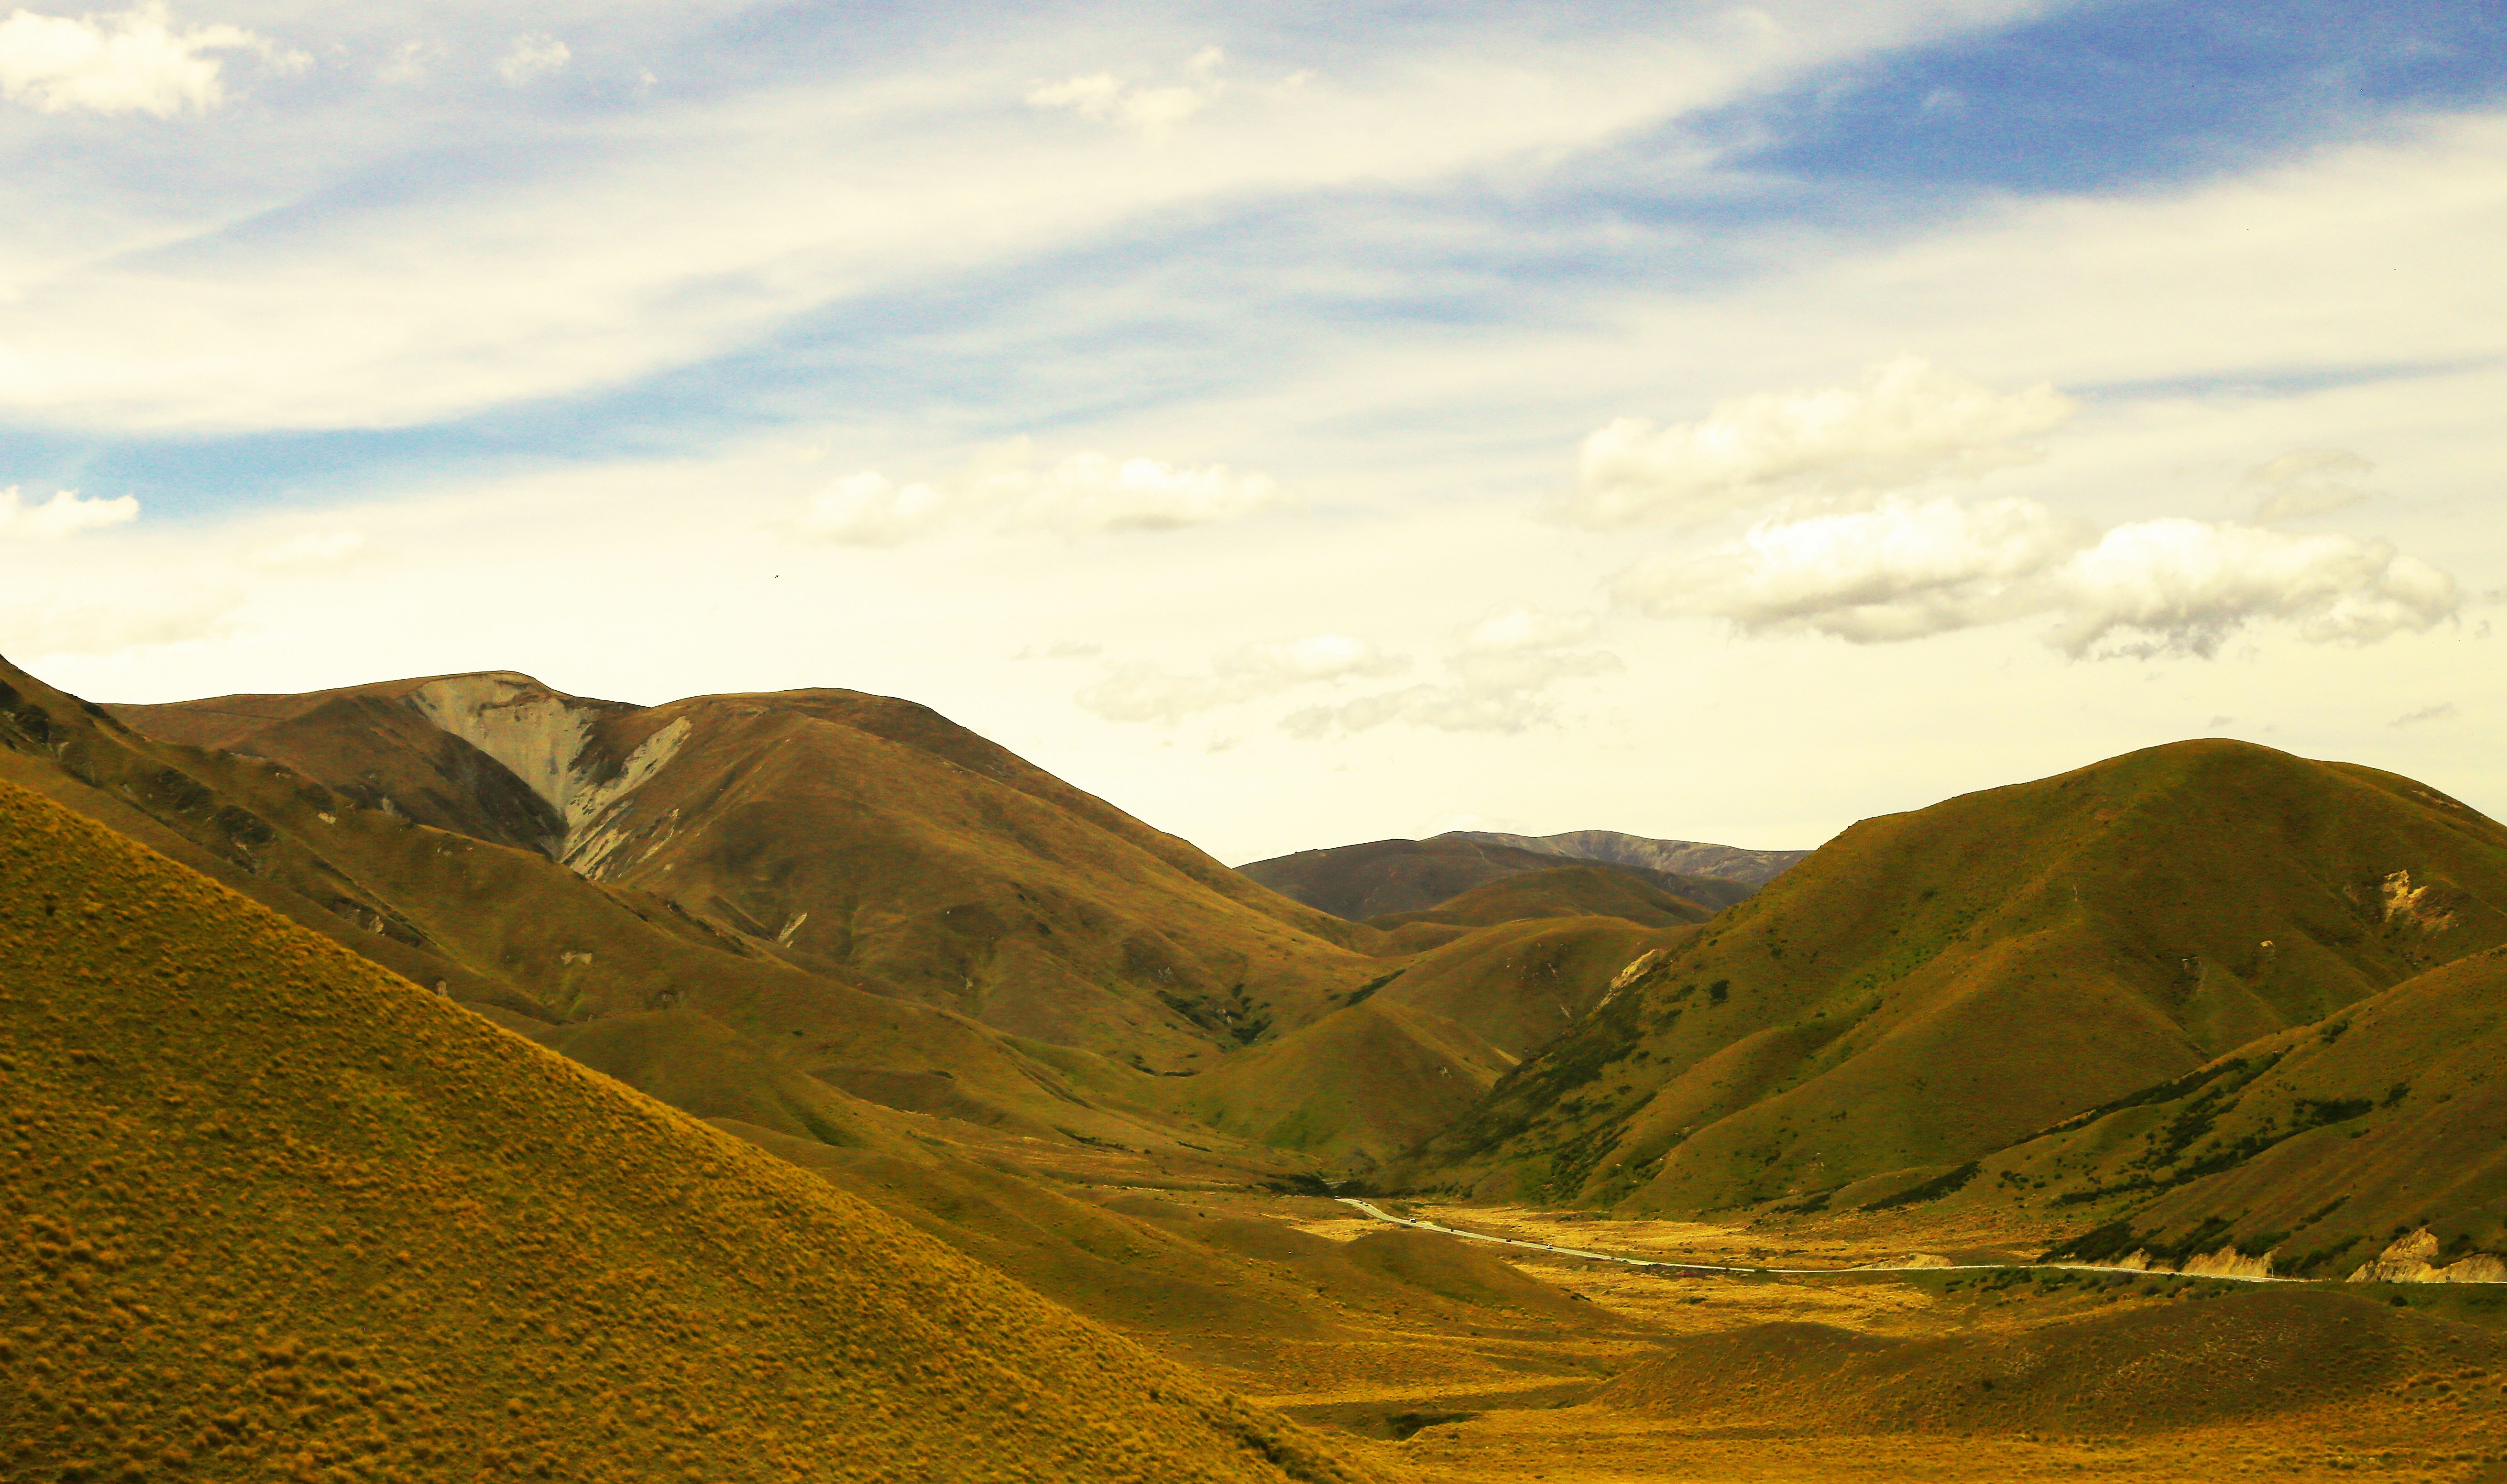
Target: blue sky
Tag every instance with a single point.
(1210, 333)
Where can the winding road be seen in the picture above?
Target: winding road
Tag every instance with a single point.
(1381, 1214)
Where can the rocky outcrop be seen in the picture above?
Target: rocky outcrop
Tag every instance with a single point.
(2409, 1260)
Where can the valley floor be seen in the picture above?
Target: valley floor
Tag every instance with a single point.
(1537, 1404)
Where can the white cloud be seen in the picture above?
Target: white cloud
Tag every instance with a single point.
(408, 64)
(1153, 111)
(532, 58)
(1908, 422)
(867, 509)
(1497, 679)
(168, 614)
(131, 61)
(1084, 494)
(2307, 481)
(64, 515)
(1907, 569)
(1148, 692)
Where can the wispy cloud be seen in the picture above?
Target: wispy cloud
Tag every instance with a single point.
(1908, 423)
(532, 58)
(1151, 110)
(2442, 712)
(1140, 691)
(128, 62)
(2307, 481)
(1086, 493)
(1498, 678)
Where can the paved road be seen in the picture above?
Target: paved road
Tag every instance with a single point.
(1707, 1267)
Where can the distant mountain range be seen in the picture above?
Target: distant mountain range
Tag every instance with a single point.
(1676, 857)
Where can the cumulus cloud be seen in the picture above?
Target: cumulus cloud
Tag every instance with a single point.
(532, 58)
(1908, 423)
(1148, 692)
(131, 61)
(64, 515)
(2307, 481)
(1084, 494)
(1151, 110)
(1497, 679)
(1910, 568)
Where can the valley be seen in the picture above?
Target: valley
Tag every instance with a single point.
(452, 1077)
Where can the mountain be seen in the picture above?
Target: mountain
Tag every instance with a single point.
(1679, 857)
(1566, 891)
(1409, 1051)
(1930, 987)
(276, 1213)
(835, 831)
(1396, 877)
(515, 934)
(2365, 1144)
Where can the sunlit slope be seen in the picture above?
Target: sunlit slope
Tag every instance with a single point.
(1680, 858)
(1419, 1044)
(853, 834)
(1934, 986)
(277, 1213)
(2321, 1148)
(516, 934)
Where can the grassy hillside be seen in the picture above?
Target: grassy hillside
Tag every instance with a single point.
(511, 932)
(2322, 1146)
(2202, 1357)
(1415, 1047)
(1395, 877)
(277, 1213)
(1566, 891)
(849, 834)
(1932, 987)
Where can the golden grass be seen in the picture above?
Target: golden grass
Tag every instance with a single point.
(271, 1214)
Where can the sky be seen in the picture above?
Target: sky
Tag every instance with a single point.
(1299, 423)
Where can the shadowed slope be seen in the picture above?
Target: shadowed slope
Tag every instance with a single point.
(2321, 1148)
(1390, 876)
(2150, 1367)
(1931, 987)
(327, 1217)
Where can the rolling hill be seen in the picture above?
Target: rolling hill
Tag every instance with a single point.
(836, 831)
(276, 1213)
(1398, 877)
(1932, 987)
(509, 931)
(2363, 1145)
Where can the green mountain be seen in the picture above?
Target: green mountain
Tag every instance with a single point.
(1932, 987)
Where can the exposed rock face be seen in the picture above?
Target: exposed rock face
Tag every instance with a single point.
(2408, 1260)
(1680, 858)
(2228, 1262)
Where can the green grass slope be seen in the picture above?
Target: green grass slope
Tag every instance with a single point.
(2320, 1147)
(1932, 987)
(274, 1214)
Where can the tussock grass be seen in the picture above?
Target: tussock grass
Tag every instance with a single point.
(269, 1212)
